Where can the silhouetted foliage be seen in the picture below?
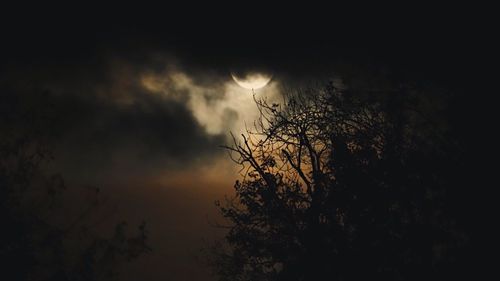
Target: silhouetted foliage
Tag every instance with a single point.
(338, 187)
(33, 246)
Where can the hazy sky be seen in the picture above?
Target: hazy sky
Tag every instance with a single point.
(148, 134)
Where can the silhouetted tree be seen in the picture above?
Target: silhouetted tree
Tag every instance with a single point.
(336, 187)
(32, 245)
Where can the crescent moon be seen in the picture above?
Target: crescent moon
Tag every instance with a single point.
(252, 81)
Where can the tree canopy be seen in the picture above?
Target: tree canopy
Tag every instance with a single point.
(340, 187)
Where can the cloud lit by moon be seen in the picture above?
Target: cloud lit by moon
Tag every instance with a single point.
(218, 108)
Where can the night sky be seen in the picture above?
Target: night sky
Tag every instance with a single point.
(142, 103)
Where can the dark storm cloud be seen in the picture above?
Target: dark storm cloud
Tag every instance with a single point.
(298, 46)
(93, 64)
(107, 125)
(139, 140)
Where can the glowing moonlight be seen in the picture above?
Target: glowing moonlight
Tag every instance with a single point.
(252, 81)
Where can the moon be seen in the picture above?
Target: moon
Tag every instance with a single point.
(252, 81)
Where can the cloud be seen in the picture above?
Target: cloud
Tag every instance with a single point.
(122, 119)
(219, 108)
